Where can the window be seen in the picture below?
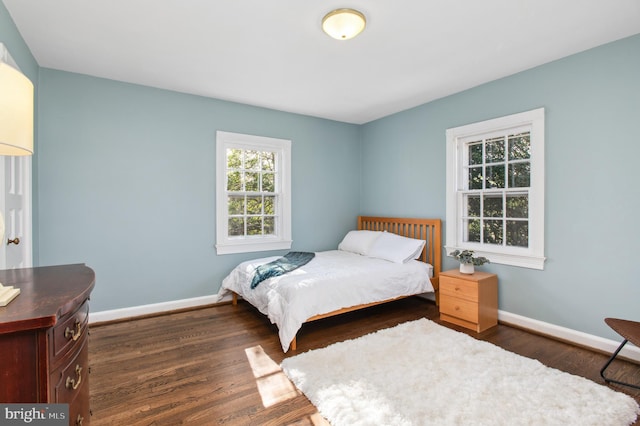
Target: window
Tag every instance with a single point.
(253, 203)
(495, 189)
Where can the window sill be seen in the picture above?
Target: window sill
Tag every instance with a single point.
(251, 246)
(519, 260)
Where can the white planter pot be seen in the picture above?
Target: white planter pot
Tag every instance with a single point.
(466, 268)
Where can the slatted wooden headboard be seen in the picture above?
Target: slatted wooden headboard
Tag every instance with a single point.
(423, 229)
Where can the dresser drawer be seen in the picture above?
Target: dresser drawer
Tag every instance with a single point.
(459, 308)
(79, 411)
(69, 332)
(459, 288)
(72, 378)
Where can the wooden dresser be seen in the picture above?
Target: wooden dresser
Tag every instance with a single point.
(43, 338)
(469, 300)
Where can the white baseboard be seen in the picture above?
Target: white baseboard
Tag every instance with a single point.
(608, 346)
(562, 333)
(155, 308)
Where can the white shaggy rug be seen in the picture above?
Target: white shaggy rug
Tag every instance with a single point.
(420, 373)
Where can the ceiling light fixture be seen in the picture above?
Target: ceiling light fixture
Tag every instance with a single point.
(343, 24)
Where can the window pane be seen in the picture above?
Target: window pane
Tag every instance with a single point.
(473, 205)
(251, 160)
(269, 225)
(259, 165)
(251, 182)
(520, 146)
(234, 181)
(472, 227)
(268, 182)
(494, 150)
(475, 153)
(493, 232)
(475, 178)
(236, 226)
(236, 205)
(268, 161)
(254, 205)
(518, 206)
(269, 205)
(493, 206)
(520, 175)
(234, 158)
(254, 225)
(495, 176)
(518, 233)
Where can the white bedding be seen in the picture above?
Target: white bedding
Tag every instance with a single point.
(332, 280)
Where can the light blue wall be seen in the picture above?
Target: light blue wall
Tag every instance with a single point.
(127, 184)
(592, 103)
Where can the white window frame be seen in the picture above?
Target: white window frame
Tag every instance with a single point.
(532, 256)
(282, 239)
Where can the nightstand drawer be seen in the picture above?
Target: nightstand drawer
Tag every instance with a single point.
(459, 308)
(459, 288)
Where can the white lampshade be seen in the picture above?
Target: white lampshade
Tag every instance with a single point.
(343, 24)
(16, 130)
(16, 112)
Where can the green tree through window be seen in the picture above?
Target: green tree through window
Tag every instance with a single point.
(496, 190)
(251, 184)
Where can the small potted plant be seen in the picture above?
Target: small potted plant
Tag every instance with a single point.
(468, 261)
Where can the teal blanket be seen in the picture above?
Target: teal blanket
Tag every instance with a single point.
(287, 263)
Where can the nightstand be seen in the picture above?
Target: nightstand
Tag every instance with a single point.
(469, 300)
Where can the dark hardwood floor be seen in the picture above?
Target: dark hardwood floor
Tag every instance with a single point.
(219, 365)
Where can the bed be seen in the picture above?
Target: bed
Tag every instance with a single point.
(369, 268)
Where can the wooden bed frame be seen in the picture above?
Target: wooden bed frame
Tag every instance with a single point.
(423, 229)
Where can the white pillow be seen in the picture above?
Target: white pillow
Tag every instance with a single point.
(359, 242)
(396, 248)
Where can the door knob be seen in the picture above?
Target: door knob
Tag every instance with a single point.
(15, 241)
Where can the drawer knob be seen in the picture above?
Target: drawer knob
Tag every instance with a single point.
(73, 334)
(73, 383)
(79, 420)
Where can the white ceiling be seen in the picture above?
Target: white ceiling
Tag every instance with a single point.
(272, 53)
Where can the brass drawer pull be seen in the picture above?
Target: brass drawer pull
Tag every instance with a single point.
(73, 334)
(79, 420)
(73, 384)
